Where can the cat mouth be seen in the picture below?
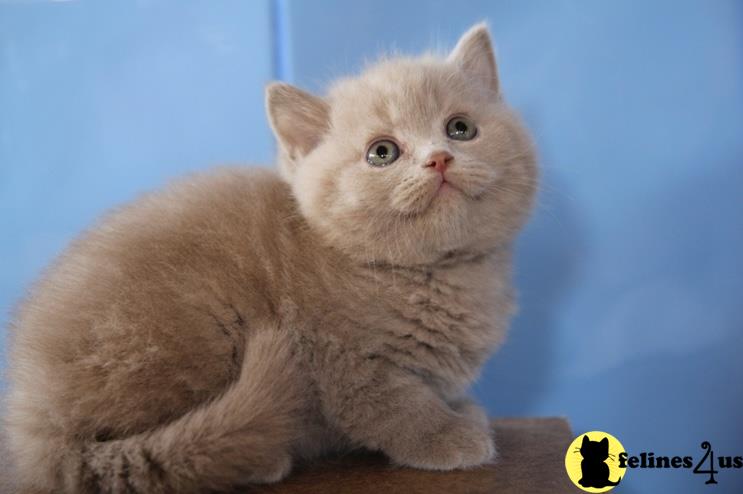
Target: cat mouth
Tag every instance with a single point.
(446, 186)
(442, 191)
(434, 194)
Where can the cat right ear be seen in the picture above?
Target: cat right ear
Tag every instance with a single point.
(298, 119)
(475, 56)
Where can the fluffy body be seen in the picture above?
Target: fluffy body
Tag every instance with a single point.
(211, 333)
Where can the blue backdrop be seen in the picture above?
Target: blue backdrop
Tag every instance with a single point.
(630, 272)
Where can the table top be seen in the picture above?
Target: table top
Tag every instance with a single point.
(531, 456)
(530, 460)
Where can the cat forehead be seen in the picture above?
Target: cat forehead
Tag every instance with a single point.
(396, 92)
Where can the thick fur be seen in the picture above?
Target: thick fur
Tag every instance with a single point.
(209, 334)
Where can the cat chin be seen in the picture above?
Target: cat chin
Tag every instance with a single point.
(444, 196)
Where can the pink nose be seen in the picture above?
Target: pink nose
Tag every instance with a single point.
(439, 161)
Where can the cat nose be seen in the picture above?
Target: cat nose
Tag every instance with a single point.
(439, 161)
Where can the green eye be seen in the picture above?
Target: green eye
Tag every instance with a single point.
(382, 153)
(461, 129)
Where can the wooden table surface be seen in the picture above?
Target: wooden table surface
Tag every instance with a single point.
(531, 460)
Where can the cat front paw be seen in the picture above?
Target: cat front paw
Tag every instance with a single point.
(460, 443)
(471, 410)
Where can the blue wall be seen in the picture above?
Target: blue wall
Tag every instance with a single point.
(630, 273)
(100, 101)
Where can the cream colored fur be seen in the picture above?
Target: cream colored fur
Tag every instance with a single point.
(209, 334)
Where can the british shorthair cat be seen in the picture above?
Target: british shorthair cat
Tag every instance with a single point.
(209, 334)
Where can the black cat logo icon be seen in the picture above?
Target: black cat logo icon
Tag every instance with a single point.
(591, 461)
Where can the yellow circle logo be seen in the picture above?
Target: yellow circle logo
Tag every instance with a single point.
(591, 461)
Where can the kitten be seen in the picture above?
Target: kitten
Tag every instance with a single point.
(210, 334)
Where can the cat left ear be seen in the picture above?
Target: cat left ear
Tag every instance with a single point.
(475, 56)
(298, 119)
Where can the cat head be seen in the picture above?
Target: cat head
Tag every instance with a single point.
(412, 161)
(594, 450)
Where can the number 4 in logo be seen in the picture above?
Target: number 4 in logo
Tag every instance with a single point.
(697, 469)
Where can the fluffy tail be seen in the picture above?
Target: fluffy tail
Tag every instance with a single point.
(241, 437)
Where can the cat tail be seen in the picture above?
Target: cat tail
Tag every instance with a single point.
(609, 482)
(241, 437)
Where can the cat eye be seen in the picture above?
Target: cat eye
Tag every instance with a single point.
(461, 129)
(382, 153)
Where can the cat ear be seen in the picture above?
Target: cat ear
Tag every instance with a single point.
(605, 442)
(298, 119)
(585, 441)
(474, 55)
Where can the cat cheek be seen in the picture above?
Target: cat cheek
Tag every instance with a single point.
(362, 190)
